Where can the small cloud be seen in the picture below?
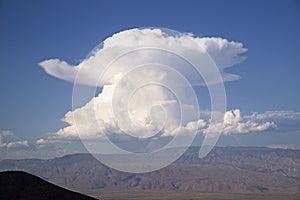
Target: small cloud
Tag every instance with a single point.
(44, 141)
(9, 140)
(17, 144)
(7, 133)
(234, 122)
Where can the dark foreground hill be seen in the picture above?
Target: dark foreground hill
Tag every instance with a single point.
(18, 185)
(225, 170)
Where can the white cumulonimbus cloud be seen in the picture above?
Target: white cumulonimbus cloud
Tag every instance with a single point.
(153, 108)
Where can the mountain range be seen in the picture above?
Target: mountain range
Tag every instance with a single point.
(243, 170)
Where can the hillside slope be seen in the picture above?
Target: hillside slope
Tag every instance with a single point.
(18, 185)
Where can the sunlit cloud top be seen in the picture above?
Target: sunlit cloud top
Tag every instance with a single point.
(223, 52)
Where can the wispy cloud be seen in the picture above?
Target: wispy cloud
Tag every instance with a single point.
(282, 146)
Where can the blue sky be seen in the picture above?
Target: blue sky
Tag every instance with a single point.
(32, 102)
